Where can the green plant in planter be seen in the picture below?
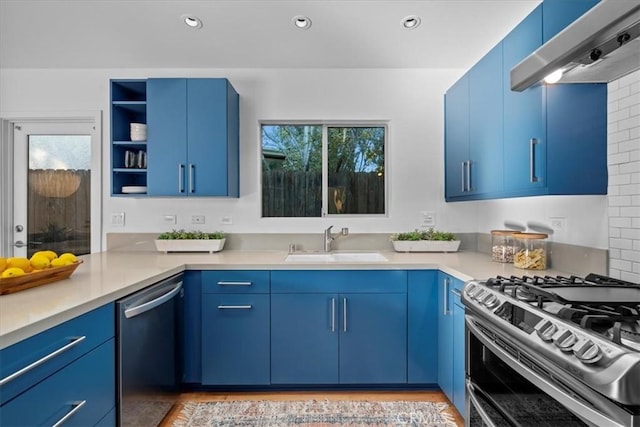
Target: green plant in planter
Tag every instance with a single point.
(429, 234)
(191, 235)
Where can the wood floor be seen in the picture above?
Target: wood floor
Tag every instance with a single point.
(428, 396)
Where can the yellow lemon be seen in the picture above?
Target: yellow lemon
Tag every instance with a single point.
(38, 262)
(60, 262)
(49, 254)
(20, 262)
(12, 272)
(69, 256)
(3, 264)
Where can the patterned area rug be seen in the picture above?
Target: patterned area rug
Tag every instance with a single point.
(314, 413)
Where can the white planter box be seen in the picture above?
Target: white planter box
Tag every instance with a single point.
(425, 246)
(189, 245)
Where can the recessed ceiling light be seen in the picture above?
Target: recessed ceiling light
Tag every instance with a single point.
(191, 21)
(302, 22)
(410, 22)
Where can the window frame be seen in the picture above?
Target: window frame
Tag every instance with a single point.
(325, 124)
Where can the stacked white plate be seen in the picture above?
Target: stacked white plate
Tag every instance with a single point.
(138, 132)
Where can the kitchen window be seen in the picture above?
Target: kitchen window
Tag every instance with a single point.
(319, 169)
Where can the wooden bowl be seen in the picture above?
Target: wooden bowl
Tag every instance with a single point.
(30, 280)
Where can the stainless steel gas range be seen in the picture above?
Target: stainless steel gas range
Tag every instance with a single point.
(552, 351)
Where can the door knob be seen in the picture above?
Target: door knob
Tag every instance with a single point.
(20, 244)
(19, 228)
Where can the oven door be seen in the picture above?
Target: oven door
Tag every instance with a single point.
(504, 387)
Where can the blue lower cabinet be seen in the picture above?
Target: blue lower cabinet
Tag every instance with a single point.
(192, 328)
(304, 339)
(83, 391)
(235, 339)
(459, 350)
(422, 335)
(373, 338)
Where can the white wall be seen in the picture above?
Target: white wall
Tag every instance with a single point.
(412, 101)
(624, 177)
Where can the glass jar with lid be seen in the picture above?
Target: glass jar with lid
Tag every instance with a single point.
(502, 245)
(531, 251)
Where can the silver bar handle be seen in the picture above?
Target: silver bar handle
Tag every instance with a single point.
(333, 314)
(463, 179)
(469, 175)
(231, 283)
(75, 408)
(180, 178)
(75, 341)
(478, 406)
(532, 160)
(192, 188)
(344, 314)
(446, 297)
(235, 307)
(142, 308)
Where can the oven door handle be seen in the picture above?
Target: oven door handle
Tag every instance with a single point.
(475, 393)
(555, 391)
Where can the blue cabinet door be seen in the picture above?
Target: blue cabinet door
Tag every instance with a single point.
(456, 148)
(459, 350)
(304, 338)
(445, 334)
(525, 142)
(558, 14)
(422, 334)
(192, 328)
(577, 151)
(209, 143)
(166, 137)
(373, 338)
(235, 339)
(485, 123)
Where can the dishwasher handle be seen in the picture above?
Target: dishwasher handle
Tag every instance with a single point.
(142, 308)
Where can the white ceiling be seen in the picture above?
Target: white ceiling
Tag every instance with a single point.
(252, 33)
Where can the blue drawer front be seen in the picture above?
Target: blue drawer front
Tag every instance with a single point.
(339, 281)
(90, 379)
(97, 326)
(235, 282)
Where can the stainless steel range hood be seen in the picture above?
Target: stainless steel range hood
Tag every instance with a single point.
(600, 46)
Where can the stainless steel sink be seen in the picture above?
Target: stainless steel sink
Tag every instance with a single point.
(321, 257)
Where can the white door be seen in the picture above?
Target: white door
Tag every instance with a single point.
(56, 187)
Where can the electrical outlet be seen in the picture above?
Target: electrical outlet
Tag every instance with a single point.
(558, 223)
(197, 219)
(226, 220)
(117, 219)
(169, 219)
(428, 219)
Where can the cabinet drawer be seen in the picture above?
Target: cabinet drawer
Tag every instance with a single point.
(86, 386)
(43, 354)
(336, 281)
(235, 282)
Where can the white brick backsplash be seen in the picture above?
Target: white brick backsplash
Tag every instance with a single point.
(633, 256)
(623, 160)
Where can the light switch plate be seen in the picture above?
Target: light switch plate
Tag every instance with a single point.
(117, 219)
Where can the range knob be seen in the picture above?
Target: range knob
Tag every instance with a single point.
(545, 330)
(490, 301)
(587, 351)
(469, 289)
(478, 295)
(565, 340)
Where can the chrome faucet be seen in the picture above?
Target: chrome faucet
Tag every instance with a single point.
(328, 238)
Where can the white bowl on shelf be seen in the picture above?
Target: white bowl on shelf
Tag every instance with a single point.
(134, 189)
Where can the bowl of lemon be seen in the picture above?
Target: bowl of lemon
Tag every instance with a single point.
(19, 273)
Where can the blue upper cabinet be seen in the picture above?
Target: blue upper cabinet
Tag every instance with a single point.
(524, 130)
(546, 140)
(558, 14)
(456, 149)
(485, 123)
(193, 137)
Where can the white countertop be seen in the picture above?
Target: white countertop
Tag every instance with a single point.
(108, 276)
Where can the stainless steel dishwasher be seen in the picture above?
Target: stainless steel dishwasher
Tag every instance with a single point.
(149, 356)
